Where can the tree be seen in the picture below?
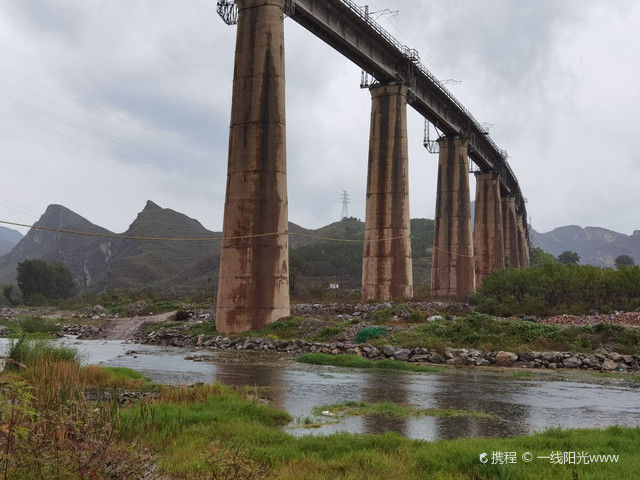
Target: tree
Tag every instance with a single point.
(624, 261)
(540, 257)
(569, 258)
(49, 279)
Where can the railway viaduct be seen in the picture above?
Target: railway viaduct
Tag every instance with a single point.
(253, 285)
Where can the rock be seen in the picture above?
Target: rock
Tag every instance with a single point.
(434, 318)
(435, 358)
(402, 354)
(614, 356)
(389, 350)
(372, 353)
(609, 365)
(506, 359)
(590, 361)
(184, 315)
(420, 358)
(572, 362)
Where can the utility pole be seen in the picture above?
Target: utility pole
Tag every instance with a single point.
(346, 200)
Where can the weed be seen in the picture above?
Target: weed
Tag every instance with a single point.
(360, 362)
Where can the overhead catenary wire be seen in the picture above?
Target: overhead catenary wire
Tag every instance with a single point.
(185, 239)
(204, 239)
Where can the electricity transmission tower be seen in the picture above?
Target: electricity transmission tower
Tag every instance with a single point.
(346, 200)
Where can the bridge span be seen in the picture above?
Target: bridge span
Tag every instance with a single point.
(253, 287)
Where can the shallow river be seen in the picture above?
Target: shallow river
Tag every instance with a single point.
(518, 406)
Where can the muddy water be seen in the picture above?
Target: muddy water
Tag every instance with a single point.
(518, 406)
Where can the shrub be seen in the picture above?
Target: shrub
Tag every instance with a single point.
(370, 332)
(554, 288)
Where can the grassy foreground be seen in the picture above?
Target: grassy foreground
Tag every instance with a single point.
(48, 430)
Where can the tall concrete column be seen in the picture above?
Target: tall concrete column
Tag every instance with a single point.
(510, 229)
(523, 245)
(386, 267)
(488, 241)
(452, 272)
(254, 281)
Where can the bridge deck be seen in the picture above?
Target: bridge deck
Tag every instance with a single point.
(343, 25)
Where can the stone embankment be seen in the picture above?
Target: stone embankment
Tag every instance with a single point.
(610, 361)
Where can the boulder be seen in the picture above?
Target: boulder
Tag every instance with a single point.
(572, 362)
(609, 365)
(435, 358)
(402, 354)
(389, 350)
(506, 359)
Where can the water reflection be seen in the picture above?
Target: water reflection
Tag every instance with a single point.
(491, 395)
(385, 387)
(239, 374)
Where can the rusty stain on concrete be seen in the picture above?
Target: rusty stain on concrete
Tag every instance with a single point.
(452, 272)
(254, 281)
(488, 237)
(387, 267)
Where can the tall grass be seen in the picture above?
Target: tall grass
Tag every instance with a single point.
(28, 351)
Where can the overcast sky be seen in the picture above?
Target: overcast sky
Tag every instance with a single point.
(107, 103)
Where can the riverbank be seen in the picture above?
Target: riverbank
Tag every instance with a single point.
(417, 332)
(472, 340)
(214, 431)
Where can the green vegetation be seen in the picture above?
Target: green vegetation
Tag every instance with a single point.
(485, 332)
(327, 333)
(624, 261)
(287, 328)
(360, 362)
(26, 351)
(51, 432)
(228, 436)
(391, 409)
(109, 378)
(155, 328)
(39, 279)
(371, 332)
(203, 328)
(556, 289)
(31, 326)
(540, 257)
(569, 258)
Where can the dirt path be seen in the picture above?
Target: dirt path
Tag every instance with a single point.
(127, 328)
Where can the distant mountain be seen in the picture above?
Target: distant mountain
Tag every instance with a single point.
(8, 239)
(596, 246)
(103, 263)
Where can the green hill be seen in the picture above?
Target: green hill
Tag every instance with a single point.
(188, 267)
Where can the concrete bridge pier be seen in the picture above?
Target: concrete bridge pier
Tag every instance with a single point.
(488, 241)
(386, 267)
(510, 229)
(253, 288)
(452, 273)
(523, 245)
